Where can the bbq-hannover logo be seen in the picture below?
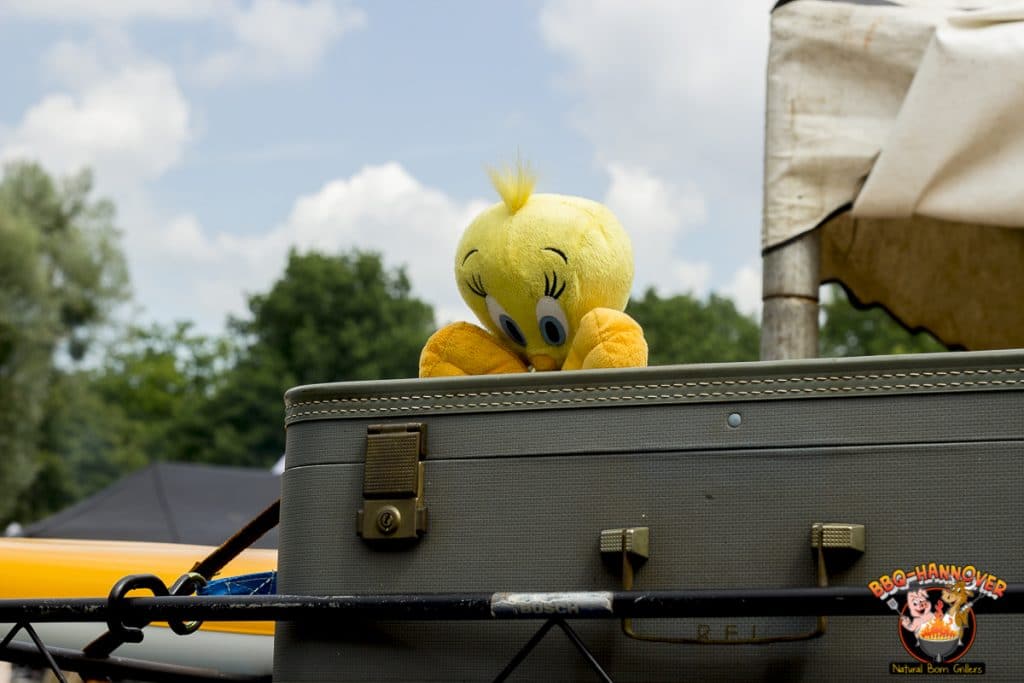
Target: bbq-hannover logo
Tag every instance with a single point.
(934, 603)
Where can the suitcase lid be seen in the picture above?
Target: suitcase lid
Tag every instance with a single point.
(659, 385)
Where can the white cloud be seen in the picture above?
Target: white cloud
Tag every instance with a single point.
(126, 117)
(657, 214)
(271, 38)
(380, 208)
(129, 127)
(275, 38)
(128, 120)
(100, 11)
(386, 209)
(73, 63)
(78, 64)
(183, 238)
(671, 96)
(690, 278)
(745, 290)
(660, 80)
(650, 206)
(184, 271)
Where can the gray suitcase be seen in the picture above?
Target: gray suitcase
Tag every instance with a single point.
(697, 477)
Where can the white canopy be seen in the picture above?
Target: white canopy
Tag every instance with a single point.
(897, 131)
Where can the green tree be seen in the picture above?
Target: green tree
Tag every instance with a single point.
(81, 446)
(102, 422)
(329, 318)
(683, 329)
(61, 271)
(849, 331)
(153, 374)
(341, 317)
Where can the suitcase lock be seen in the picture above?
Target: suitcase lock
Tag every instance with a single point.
(393, 505)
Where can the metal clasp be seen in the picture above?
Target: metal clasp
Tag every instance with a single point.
(393, 504)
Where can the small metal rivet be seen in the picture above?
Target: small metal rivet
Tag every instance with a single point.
(734, 420)
(388, 519)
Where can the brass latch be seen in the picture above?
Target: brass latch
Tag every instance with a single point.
(838, 536)
(635, 541)
(393, 504)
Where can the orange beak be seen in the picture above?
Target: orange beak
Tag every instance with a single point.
(543, 363)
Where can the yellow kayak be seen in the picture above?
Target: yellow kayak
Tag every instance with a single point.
(56, 568)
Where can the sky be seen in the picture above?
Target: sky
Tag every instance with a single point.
(230, 131)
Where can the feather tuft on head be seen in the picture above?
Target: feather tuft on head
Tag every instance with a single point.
(514, 185)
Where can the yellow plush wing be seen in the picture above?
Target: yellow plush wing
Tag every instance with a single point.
(607, 339)
(465, 349)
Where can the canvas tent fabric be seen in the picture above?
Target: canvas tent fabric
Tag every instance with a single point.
(893, 128)
(169, 503)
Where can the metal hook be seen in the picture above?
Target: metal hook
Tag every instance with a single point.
(117, 628)
(187, 584)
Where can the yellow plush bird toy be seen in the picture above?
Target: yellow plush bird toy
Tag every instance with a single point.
(548, 276)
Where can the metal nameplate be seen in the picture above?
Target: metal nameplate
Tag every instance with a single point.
(569, 604)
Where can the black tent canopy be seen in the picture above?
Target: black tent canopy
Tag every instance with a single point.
(170, 503)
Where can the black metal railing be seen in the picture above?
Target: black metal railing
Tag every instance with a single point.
(129, 614)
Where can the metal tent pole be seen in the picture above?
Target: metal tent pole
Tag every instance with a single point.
(789, 321)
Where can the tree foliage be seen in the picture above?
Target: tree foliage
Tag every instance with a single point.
(328, 318)
(849, 331)
(683, 329)
(167, 393)
(102, 422)
(61, 271)
(342, 317)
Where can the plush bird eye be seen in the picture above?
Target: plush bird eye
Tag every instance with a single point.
(554, 326)
(504, 321)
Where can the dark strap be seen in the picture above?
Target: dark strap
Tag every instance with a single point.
(229, 549)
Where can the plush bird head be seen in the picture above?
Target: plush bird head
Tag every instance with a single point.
(533, 265)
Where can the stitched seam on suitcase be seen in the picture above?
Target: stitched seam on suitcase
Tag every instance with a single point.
(695, 383)
(651, 397)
